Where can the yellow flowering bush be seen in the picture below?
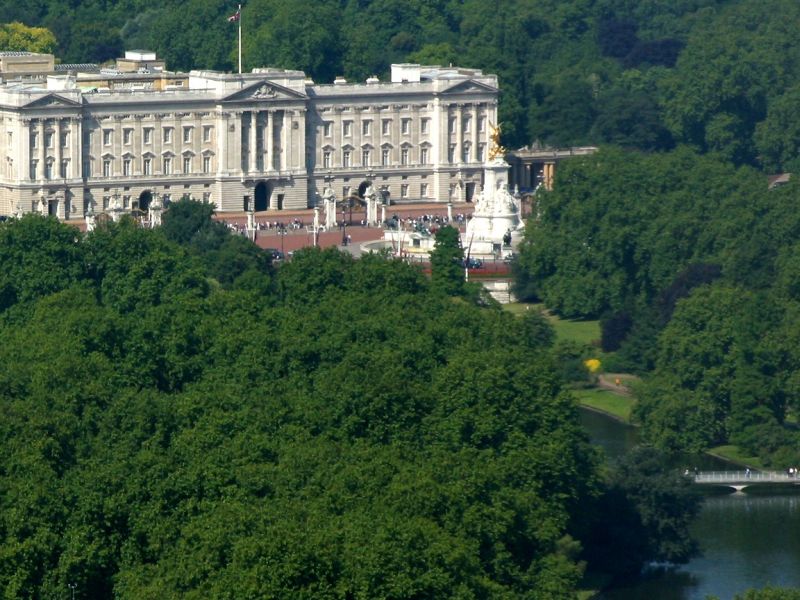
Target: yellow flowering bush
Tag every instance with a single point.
(592, 364)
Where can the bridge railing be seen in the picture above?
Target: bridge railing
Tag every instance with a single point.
(744, 476)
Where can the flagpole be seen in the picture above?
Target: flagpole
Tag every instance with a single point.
(239, 12)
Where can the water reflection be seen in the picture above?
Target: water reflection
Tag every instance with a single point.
(749, 540)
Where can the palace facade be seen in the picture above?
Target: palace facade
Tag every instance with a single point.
(77, 138)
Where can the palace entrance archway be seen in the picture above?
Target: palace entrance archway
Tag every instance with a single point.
(145, 198)
(262, 195)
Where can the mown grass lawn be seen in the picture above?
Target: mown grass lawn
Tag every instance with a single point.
(607, 402)
(583, 332)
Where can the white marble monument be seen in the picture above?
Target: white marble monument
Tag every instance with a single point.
(496, 217)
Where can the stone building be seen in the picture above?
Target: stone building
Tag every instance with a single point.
(78, 138)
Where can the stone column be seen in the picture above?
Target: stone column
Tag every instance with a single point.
(75, 143)
(269, 142)
(285, 133)
(57, 144)
(42, 152)
(158, 144)
(253, 156)
(138, 161)
(459, 157)
(118, 147)
(222, 142)
(474, 134)
(24, 155)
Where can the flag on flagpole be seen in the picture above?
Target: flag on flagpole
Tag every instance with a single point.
(235, 16)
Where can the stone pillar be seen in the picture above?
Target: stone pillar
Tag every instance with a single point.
(269, 142)
(221, 142)
(42, 151)
(253, 155)
(383, 214)
(285, 149)
(75, 143)
(24, 156)
(474, 134)
(459, 157)
(57, 153)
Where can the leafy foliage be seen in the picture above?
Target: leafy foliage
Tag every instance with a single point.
(343, 431)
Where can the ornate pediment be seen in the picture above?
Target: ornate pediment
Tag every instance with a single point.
(264, 91)
(53, 101)
(470, 87)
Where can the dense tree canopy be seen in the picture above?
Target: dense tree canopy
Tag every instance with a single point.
(692, 265)
(333, 430)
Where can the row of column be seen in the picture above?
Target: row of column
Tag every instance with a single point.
(73, 146)
(475, 140)
(269, 150)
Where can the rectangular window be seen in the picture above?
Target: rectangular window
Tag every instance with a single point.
(64, 168)
(385, 157)
(147, 135)
(48, 170)
(326, 160)
(366, 126)
(34, 140)
(482, 152)
(466, 123)
(127, 136)
(126, 167)
(347, 128)
(482, 124)
(423, 126)
(106, 168)
(207, 129)
(386, 126)
(33, 169)
(147, 166)
(107, 136)
(465, 153)
(404, 190)
(451, 153)
(187, 164)
(423, 190)
(327, 128)
(87, 168)
(365, 158)
(168, 135)
(167, 165)
(405, 126)
(404, 156)
(346, 158)
(451, 126)
(48, 139)
(187, 135)
(65, 139)
(423, 156)
(206, 164)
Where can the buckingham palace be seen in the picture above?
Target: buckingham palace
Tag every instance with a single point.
(78, 138)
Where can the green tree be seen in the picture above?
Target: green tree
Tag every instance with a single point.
(447, 258)
(19, 37)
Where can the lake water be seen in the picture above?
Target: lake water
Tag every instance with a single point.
(748, 540)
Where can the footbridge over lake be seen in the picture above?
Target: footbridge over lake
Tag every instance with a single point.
(739, 480)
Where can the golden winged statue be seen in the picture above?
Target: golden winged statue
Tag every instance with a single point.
(495, 149)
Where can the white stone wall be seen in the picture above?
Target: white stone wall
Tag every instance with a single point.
(227, 134)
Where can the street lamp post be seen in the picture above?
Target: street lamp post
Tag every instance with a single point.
(282, 232)
(344, 224)
(72, 586)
